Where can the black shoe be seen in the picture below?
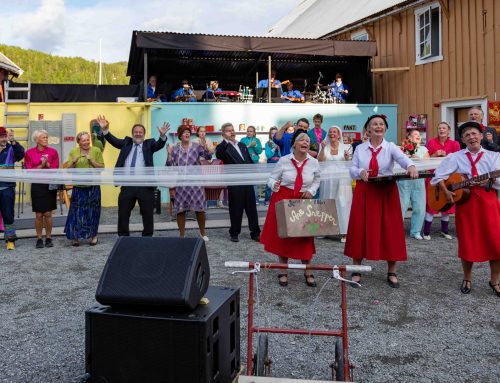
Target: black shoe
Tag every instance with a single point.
(465, 288)
(48, 242)
(39, 243)
(394, 285)
(255, 237)
(493, 288)
(354, 284)
(310, 280)
(283, 282)
(234, 238)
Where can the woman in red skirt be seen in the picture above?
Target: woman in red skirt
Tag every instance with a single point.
(375, 230)
(295, 176)
(478, 219)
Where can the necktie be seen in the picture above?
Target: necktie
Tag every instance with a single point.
(134, 156)
(298, 180)
(373, 170)
(473, 163)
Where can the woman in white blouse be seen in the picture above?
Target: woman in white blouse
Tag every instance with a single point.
(376, 230)
(295, 176)
(339, 189)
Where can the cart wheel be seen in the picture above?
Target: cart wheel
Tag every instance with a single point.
(339, 361)
(261, 357)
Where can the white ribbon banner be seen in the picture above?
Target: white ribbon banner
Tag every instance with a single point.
(172, 176)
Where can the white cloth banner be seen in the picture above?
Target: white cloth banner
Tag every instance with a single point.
(171, 176)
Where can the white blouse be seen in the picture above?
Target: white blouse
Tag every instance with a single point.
(459, 163)
(286, 172)
(389, 154)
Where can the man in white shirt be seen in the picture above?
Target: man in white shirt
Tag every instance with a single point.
(240, 198)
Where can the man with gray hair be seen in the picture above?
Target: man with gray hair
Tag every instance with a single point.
(240, 198)
(490, 137)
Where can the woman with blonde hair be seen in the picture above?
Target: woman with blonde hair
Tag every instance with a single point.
(85, 208)
(43, 199)
(339, 189)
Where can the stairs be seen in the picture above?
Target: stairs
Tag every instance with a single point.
(17, 111)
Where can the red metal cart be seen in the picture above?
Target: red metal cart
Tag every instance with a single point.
(341, 368)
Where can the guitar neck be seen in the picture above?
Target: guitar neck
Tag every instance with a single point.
(466, 183)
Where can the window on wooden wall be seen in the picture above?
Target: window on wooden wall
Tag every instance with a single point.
(361, 35)
(428, 34)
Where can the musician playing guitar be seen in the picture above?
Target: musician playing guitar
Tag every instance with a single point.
(375, 229)
(185, 93)
(478, 219)
(291, 95)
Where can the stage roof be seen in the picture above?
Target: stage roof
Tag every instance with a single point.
(9, 65)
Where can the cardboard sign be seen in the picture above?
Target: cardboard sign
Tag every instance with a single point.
(306, 218)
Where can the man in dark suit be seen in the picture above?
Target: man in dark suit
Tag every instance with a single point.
(135, 152)
(240, 198)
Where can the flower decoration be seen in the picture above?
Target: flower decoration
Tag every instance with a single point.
(409, 147)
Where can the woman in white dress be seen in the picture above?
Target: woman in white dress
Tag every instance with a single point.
(339, 189)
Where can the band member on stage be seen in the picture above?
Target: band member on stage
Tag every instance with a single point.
(339, 89)
(274, 82)
(375, 230)
(184, 94)
(292, 95)
(295, 176)
(210, 93)
(478, 219)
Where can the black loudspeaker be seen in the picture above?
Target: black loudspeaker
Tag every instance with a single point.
(160, 272)
(202, 346)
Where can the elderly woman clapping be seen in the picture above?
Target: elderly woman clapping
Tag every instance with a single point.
(85, 209)
(43, 200)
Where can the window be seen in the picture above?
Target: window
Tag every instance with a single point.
(428, 34)
(361, 35)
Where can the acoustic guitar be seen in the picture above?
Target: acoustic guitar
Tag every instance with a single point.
(457, 183)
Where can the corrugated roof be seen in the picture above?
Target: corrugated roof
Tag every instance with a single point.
(317, 18)
(8, 64)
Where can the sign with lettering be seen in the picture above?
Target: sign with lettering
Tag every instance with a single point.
(306, 218)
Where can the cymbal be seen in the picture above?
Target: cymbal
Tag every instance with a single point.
(326, 87)
(318, 84)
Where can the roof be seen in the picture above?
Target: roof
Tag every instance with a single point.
(9, 65)
(236, 60)
(317, 18)
(185, 44)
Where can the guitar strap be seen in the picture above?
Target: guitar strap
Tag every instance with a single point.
(473, 163)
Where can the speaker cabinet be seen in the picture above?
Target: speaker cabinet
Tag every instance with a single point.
(146, 271)
(202, 346)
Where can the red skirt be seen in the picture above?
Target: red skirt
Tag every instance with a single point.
(477, 222)
(297, 248)
(428, 209)
(376, 230)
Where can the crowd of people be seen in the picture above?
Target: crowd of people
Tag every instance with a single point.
(370, 219)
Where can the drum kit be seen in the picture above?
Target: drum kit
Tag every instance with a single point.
(322, 95)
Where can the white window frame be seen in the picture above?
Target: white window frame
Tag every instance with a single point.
(359, 35)
(427, 58)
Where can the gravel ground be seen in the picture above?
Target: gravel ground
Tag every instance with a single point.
(426, 331)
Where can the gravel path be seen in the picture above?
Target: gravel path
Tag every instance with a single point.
(426, 331)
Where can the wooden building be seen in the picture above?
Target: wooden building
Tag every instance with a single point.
(435, 58)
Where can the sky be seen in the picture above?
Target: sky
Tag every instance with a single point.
(74, 28)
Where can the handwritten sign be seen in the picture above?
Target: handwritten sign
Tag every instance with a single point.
(306, 218)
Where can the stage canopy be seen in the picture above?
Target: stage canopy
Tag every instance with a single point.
(235, 60)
